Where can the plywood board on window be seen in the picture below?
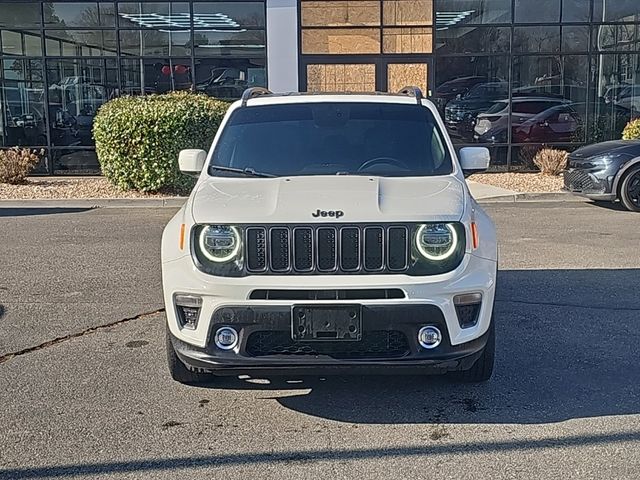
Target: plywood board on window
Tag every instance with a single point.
(340, 13)
(401, 75)
(407, 12)
(407, 40)
(341, 41)
(341, 78)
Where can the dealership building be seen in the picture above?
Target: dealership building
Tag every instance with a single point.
(509, 74)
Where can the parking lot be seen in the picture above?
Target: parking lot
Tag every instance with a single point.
(85, 393)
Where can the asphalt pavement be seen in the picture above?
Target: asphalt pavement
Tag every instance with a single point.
(85, 392)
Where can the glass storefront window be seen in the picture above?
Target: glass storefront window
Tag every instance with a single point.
(538, 11)
(79, 43)
(155, 75)
(20, 15)
(228, 15)
(23, 43)
(538, 39)
(453, 13)
(22, 117)
(248, 43)
(67, 14)
(616, 37)
(575, 39)
(474, 40)
(615, 11)
(155, 42)
(225, 78)
(576, 10)
(154, 15)
(77, 88)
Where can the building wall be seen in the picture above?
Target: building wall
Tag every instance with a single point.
(509, 74)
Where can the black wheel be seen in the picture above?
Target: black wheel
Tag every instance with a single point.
(483, 368)
(179, 371)
(630, 190)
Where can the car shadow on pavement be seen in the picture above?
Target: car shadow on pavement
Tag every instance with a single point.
(28, 211)
(567, 348)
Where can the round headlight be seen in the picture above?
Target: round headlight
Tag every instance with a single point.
(219, 243)
(436, 241)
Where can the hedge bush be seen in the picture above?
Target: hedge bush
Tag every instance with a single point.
(632, 130)
(138, 138)
(551, 161)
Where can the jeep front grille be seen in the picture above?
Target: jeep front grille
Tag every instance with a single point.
(327, 249)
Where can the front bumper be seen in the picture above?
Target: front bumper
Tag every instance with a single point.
(427, 301)
(399, 356)
(590, 183)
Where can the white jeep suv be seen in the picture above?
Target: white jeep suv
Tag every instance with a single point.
(330, 234)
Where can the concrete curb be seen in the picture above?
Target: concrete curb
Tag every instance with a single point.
(177, 202)
(170, 202)
(533, 197)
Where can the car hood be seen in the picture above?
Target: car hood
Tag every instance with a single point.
(298, 199)
(630, 147)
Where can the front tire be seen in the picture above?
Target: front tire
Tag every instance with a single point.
(482, 370)
(630, 190)
(178, 370)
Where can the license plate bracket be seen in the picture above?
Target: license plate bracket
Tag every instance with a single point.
(326, 323)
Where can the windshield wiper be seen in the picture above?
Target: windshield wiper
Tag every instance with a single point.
(248, 172)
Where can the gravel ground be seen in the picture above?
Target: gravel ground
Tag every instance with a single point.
(520, 182)
(52, 188)
(98, 187)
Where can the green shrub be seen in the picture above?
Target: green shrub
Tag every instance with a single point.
(16, 163)
(138, 138)
(632, 130)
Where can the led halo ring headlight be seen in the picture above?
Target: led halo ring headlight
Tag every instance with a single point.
(444, 241)
(219, 243)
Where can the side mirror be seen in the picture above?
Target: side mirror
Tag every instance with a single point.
(191, 161)
(474, 160)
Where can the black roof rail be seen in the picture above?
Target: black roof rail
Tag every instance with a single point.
(254, 92)
(412, 92)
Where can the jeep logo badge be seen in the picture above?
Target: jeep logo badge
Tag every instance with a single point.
(328, 213)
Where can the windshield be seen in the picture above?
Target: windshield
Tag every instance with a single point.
(332, 139)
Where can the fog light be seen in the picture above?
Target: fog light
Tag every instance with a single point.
(429, 337)
(226, 338)
(188, 310)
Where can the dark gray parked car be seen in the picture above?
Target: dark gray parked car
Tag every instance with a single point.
(606, 171)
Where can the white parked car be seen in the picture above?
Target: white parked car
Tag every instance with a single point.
(330, 234)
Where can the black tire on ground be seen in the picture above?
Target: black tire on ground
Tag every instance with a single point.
(483, 368)
(179, 371)
(630, 190)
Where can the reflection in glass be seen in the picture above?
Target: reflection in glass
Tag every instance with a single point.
(155, 75)
(466, 87)
(231, 14)
(528, 11)
(85, 14)
(25, 43)
(226, 78)
(154, 15)
(576, 10)
(22, 118)
(474, 40)
(575, 39)
(616, 11)
(452, 13)
(155, 42)
(23, 14)
(536, 39)
(247, 43)
(77, 88)
(75, 161)
(618, 37)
